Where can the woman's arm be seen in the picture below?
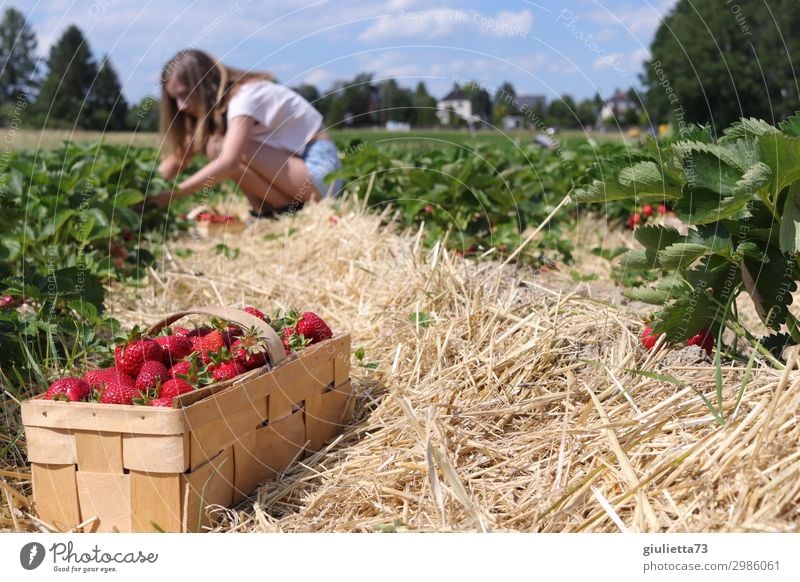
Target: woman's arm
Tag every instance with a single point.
(222, 167)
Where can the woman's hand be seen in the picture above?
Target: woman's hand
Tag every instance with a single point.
(162, 199)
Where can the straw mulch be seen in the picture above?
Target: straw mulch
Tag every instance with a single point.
(518, 407)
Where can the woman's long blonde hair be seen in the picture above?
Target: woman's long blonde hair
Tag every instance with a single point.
(211, 84)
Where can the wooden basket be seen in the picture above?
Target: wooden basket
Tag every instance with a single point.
(142, 469)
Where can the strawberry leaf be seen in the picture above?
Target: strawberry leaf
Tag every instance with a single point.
(782, 154)
(656, 237)
(770, 283)
(639, 260)
(790, 221)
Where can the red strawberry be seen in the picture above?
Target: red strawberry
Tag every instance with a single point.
(249, 351)
(150, 376)
(311, 326)
(200, 331)
(174, 347)
(633, 220)
(208, 344)
(120, 390)
(99, 378)
(647, 210)
(649, 339)
(166, 402)
(191, 371)
(180, 331)
(6, 301)
(173, 388)
(662, 209)
(70, 388)
(131, 357)
(256, 312)
(704, 338)
(227, 370)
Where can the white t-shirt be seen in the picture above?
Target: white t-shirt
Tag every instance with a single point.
(286, 121)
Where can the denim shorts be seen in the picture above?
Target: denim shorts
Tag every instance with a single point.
(321, 157)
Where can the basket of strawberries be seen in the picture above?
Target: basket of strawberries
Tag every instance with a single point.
(186, 418)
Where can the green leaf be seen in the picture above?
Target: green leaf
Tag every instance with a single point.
(420, 318)
(639, 260)
(770, 283)
(682, 255)
(656, 237)
(128, 197)
(782, 154)
(645, 178)
(791, 126)
(651, 295)
(701, 206)
(790, 221)
(748, 127)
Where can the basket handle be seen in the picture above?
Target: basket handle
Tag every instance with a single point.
(275, 347)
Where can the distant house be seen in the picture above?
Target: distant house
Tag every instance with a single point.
(617, 106)
(532, 102)
(527, 105)
(457, 102)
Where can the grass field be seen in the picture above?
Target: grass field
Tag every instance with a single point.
(51, 138)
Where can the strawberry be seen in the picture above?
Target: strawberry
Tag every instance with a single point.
(120, 390)
(191, 371)
(249, 350)
(177, 330)
(208, 344)
(99, 378)
(131, 357)
(634, 219)
(311, 326)
(200, 331)
(166, 402)
(649, 339)
(174, 347)
(227, 370)
(173, 388)
(6, 301)
(151, 376)
(70, 388)
(647, 210)
(662, 209)
(256, 312)
(704, 338)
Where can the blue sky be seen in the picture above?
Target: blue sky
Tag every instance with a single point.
(574, 46)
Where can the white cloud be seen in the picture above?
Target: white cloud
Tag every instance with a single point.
(319, 78)
(440, 22)
(638, 20)
(623, 63)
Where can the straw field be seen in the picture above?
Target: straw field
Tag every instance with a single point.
(512, 401)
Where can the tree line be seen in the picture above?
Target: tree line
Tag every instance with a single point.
(711, 62)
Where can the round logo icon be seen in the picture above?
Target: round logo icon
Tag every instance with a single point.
(31, 555)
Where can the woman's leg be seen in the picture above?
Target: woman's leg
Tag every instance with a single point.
(262, 195)
(274, 179)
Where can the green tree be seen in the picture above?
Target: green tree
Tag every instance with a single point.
(62, 100)
(144, 115)
(714, 62)
(586, 112)
(424, 107)
(396, 102)
(17, 57)
(108, 107)
(480, 99)
(562, 112)
(504, 102)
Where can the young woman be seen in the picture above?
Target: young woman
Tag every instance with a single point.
(264, 136)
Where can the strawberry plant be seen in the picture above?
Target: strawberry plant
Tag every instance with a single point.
(482, 196)
(738, 197)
